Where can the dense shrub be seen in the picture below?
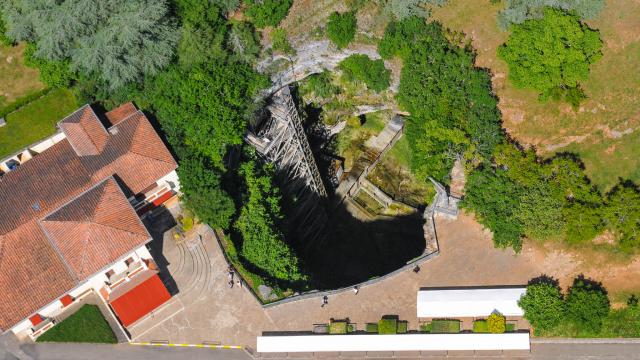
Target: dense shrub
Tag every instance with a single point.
(543, 304)
(445, 326)
(341, 28)
(518, 11)
(53, 73)
(448, 116)
(265, 13)
(263, 244)
(4, 39)
(480, 326)
(321, 85)
(622, 213)
(587, 303)
(387, 326)
(244, 41)
(496, 323)
(280, 42)
(551, 55)
(361, 68)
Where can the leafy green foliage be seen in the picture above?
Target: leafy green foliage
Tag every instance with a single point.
(402, 9)
(202, 35)
(496, 323)
(518, 11)
(448, 116)
(53, 73)
(622, 213)
(321, 85)
(361, 68)
(341, 28)
(445, 326)
(202, 192)
(263, 244)
(543, 304)
(244, 42)
(387, 326)
(4, 39)
(265, 13)
(119, 42)
(552, 54)
(205, 108)
(280, 42)
(587, 303)
(480, 326)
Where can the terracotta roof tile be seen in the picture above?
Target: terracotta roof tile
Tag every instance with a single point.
(120, 113)
(84, 213)
(85, 132)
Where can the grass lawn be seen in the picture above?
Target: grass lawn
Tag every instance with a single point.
(87, 325)
(16, 80)
(35, 120)
(594, 132)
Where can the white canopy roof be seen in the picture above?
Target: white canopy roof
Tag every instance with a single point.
(436, 303)
(404, 342)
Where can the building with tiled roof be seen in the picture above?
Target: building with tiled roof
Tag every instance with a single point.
(70, 216)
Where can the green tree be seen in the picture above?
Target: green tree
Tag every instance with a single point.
(518, 11)
(341, 28)
(496, 323)
(587, 303)
(321, 85)
(622, 213)
(552, 54)
(263, 244)
(361, 68)
(202, 34)
(208, 106)
(402, 9)
(265, 13)
(117, 41)
(543, 304)
(244, 42)
(203, 194)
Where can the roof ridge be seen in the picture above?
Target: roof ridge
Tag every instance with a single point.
(138, 111)
(56, 249)
(83, 260)
(134, 135)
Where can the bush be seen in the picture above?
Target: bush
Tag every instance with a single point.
(341, 28)
(371, 328)
(321, 85)
(361, 68)
(445, 326)
(543, 304)
(496, 323)
(426, 327)
(587, 303)
(265, 13)
(518, 11)
(338, 327)
(403, 327)
(53, 73)
(480, 326)
(280, 42)
(552, 55)
(387, 326)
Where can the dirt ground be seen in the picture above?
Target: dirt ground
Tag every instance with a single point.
(16, 80)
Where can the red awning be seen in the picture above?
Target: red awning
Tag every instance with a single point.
(36, 319)
(140, 300)
(66, 300)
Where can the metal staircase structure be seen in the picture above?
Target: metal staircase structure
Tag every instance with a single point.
(281, 140)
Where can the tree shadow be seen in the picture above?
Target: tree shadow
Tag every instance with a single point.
(583, 282)
(545, 279)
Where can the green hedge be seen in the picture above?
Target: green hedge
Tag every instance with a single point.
(22, 102)
(371, 328)
(480, 326)
(387, 326)
(402, 327)
(338, 327)
(445, 326)
(426, 327)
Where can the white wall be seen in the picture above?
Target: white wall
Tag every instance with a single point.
(171, 180)
(95, 282)
(402, 342)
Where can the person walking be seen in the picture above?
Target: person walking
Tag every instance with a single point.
(355, 290)
(325, 301)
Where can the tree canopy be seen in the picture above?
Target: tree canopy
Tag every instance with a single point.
(587, 303)
(518, 11)
(551, 54)
(543, 305)
(118, 41)
(265, 13)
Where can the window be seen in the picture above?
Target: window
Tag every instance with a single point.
(129, 261)
(109, 274)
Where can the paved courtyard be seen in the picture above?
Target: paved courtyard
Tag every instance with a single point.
(215, 313)
(212, 312)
